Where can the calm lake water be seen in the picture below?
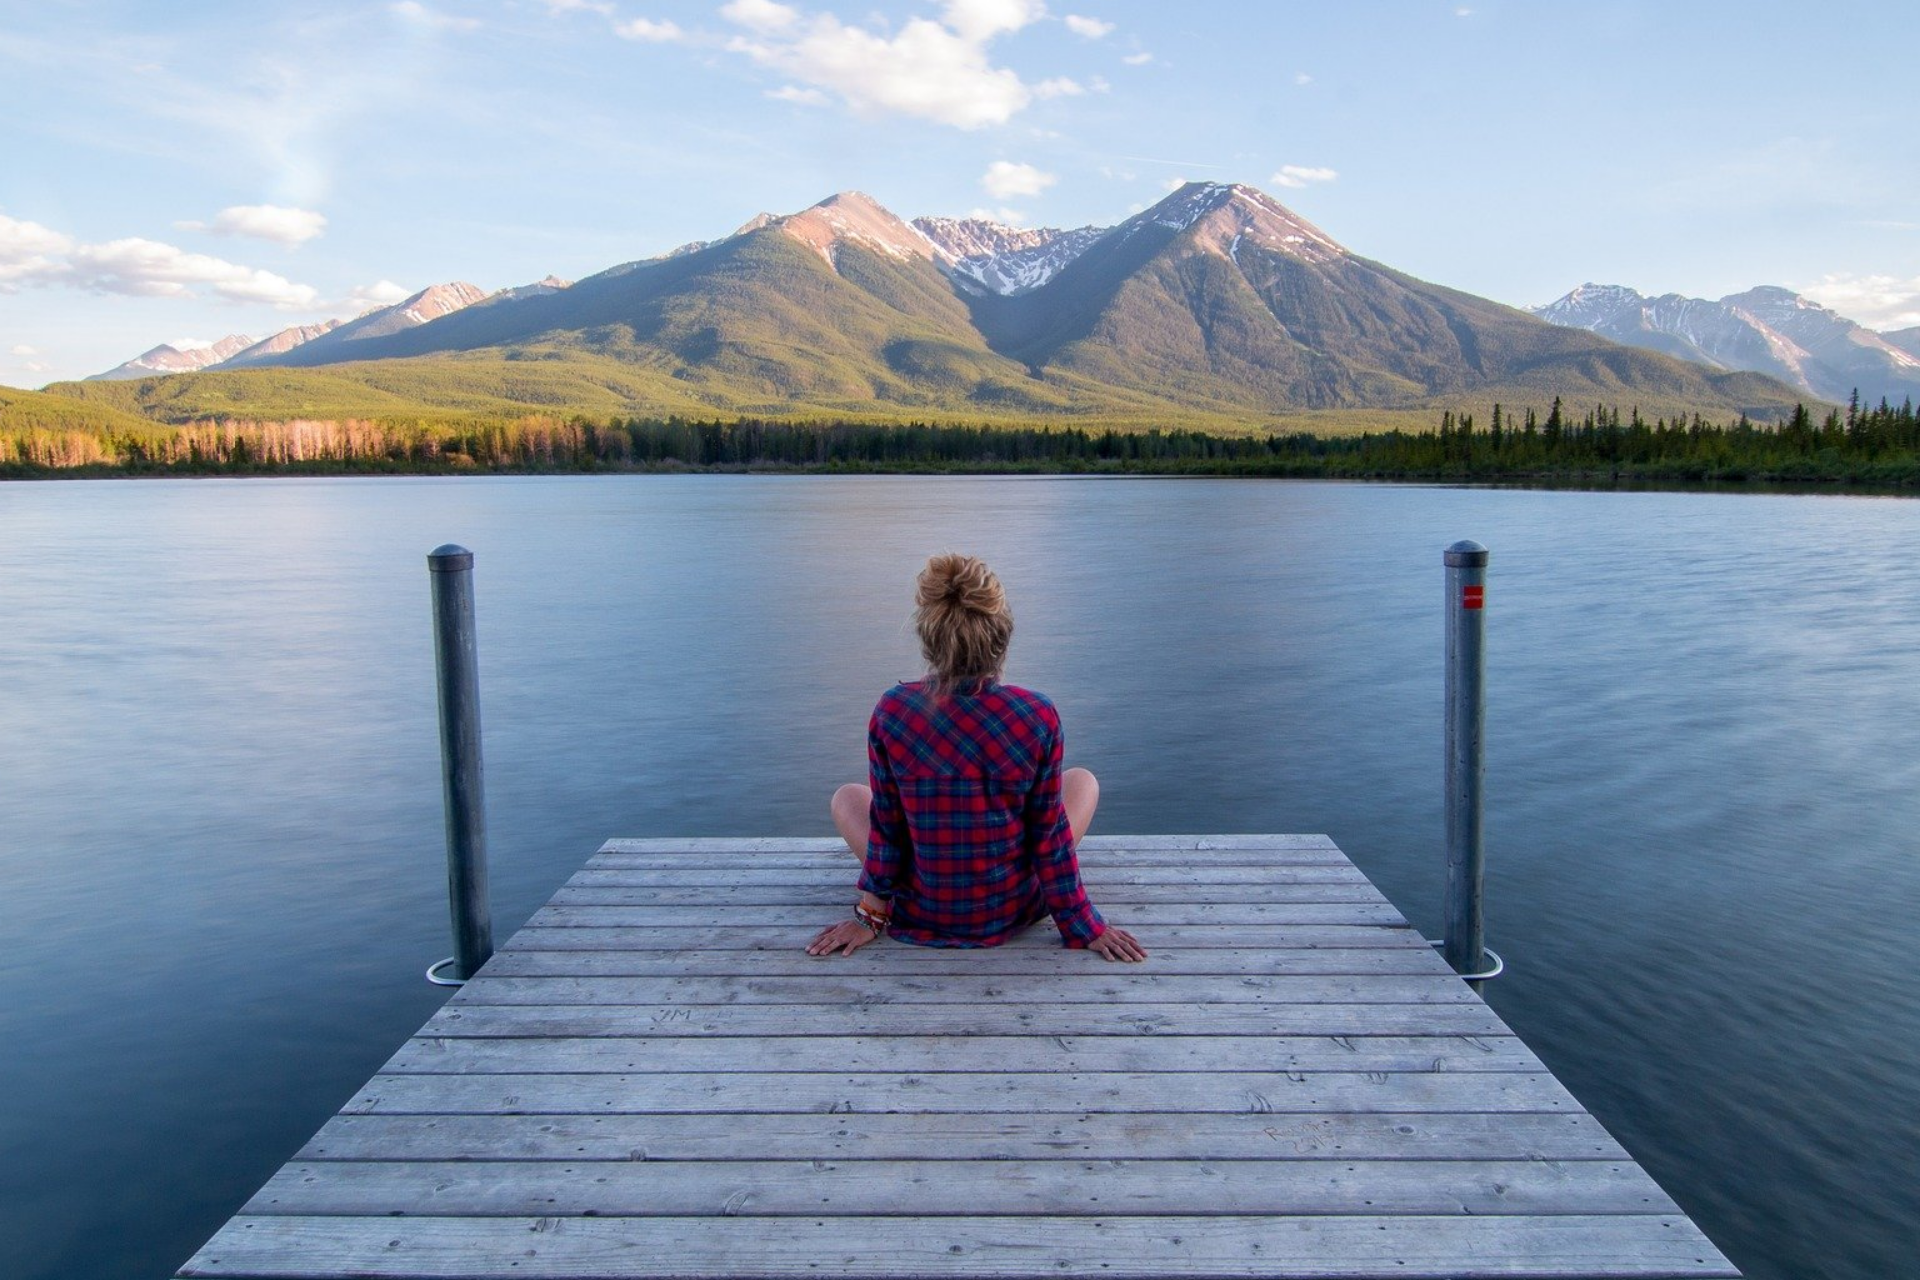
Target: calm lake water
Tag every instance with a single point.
(220, 837)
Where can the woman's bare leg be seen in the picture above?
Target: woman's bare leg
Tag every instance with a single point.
(1080, 793)
(850, 814)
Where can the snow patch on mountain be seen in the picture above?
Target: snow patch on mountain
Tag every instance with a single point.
(285, 340)
(1225, 216)
(175, 358)
(857, 218)
(539, 288)
(1766, 329)
(1002, 259)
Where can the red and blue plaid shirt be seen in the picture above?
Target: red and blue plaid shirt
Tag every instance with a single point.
(970, 841)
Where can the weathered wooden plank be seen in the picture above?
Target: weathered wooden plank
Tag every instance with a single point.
(784, 937)
(839, 895)
(1168, 1248)
(935, 1188)
(1003, 962)
(773, 1020)
(1109, 984)
(1137, 915)
(653, 1080)
(1072, 1136)
(977, 1093)
(1089, 846)
(1229, 867)
(471, 1053)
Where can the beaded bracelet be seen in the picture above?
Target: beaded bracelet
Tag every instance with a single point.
(872, 919)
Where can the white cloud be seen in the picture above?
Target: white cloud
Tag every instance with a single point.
(1295, 175)
(795, 94)
(1879, 302)
(1088, 28)
(1059, 87)
(1005, 180)
(1301, 77)
(22, 349)
(29, 253)
(136, 267)
(981, 20)
(648, 30)
(149, 269)
(1463, 12)
(1137, 59)
(263, 222)
(1174, 184)
(431, 19)
(382, 293)
(602, 7)
(763, 16)
(934, 69)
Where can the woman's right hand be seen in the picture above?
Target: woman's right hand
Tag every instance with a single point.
(1118, 944)
(844, 939)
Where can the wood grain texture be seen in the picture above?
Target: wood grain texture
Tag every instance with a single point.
(652, 1080)
(1006, 1093)
(1003, 962)
(774, 1022)
(1417, 1136)
(1252, 1247)
(1101, 984)
(935, 1188)
(680, 938)
(470, 1050)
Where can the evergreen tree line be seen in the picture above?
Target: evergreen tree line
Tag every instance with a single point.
(1877, 446)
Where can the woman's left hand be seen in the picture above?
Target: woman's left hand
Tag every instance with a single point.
(845, 938)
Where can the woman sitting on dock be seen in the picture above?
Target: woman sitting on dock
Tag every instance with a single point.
(969, 826)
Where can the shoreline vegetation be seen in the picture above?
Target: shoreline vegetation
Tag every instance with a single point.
(1856, 448)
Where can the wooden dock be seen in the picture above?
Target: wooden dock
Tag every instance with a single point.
(652, 1080)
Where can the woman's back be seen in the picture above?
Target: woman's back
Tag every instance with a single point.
(969, 837)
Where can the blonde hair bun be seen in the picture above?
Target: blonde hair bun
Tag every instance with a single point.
(964, 623)
(962, 582)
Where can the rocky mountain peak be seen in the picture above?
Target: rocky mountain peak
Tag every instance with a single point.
(285, 340)
(1224, 216)
(168, 358)
(438, 300)
(1006, 260)
(857, 217)
(1767, 329)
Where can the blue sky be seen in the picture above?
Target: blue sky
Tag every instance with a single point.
(185, 171)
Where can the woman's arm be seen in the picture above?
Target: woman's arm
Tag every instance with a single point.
(888, 840)
(1049, 839)
(885, 856)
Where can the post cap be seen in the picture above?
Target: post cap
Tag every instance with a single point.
(1466, 554)
(449, 559)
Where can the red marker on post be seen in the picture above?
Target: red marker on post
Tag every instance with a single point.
(1473, 597)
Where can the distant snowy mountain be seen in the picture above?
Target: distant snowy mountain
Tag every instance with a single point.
(1765, 330)
(167, 358)
(856, 218)
(337, 341)
(1006, 260)
(539, 288)
(285, 340)
(1907, 340)
(1217, 299)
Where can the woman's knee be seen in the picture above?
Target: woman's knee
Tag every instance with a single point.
(852, 798)
(1081, 782)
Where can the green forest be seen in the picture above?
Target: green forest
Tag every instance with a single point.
(1873, 447)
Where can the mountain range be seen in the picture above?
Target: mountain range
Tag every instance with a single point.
(1217, 302)
(1767, 329)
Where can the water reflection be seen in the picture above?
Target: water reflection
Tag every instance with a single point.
(220, 831)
